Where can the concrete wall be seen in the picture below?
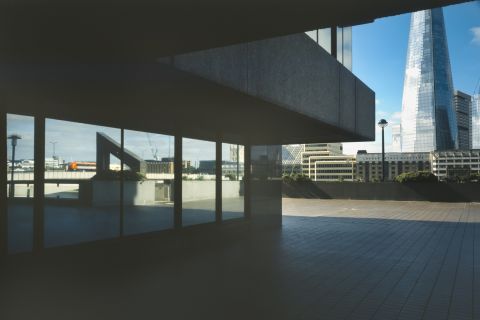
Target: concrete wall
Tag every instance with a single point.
(105, 193)
(293, 72)
(437, 192)
(193, 190)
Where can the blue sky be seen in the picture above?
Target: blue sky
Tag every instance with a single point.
(379, 56)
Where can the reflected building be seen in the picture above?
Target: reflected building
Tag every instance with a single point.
(428, 115)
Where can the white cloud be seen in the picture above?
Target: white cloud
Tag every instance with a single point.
(476, 35)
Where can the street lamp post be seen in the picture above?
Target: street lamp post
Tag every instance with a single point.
(53, 155)
(382, 124)
(53, 144)
(14, 138)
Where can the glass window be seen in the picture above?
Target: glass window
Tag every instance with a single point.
(148, 184)
(198, 181)
(312, 34)
(20, 154)
(325, 39)
(233, 160)
(347, 47)
(82, 185)
(340, 44)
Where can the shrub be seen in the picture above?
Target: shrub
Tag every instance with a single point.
(295, 177)
(474, 177)
(420, 176)
(231, 176)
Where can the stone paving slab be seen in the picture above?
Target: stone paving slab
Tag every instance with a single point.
(332, 259)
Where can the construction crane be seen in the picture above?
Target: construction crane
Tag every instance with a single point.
(154, 150)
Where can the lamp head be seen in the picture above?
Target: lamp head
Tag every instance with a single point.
(382, 123)
(14, 137)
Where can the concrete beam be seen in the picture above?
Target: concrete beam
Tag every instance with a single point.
(294, 73)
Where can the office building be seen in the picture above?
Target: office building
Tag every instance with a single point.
(369, 165)
(326, 162)
(428, 116)
(451, 164)
(475, 122)
(463, 110)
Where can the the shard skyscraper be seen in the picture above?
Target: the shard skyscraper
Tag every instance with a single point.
(428, 117)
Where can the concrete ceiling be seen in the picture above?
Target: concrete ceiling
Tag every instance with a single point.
(144, 30)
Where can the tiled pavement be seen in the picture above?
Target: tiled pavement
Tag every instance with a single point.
(333, 259)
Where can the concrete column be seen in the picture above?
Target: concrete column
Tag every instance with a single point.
(246, 181)
(218, 182)
(266, 185)
(177, 189)
(39, 183)
(122, 181)
(3, 190)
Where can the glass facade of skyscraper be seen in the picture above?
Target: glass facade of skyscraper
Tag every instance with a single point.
(428, 115)
(476, 121)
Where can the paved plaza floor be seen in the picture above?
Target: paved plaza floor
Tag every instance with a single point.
(332, 259)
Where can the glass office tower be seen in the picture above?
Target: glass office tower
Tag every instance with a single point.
(428, 115)
(476, 121)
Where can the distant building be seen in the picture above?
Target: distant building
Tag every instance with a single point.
(292, 158)
(55, 163)
(455, 163)
(396, 138)
(369, 165)
(326, 162)
(237, 153)
(475, 124)
(463, 110)
(232, 168)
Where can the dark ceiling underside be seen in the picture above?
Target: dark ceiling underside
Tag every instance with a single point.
(141, 30)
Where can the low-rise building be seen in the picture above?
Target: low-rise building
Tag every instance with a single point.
(369, 165)
(326, 162)
(455, 163)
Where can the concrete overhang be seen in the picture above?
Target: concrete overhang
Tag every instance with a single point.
(276, 91)
(143, 30)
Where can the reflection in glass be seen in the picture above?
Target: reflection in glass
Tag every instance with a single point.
(82, 186)
(343, 41)
(313, 35)
(20, 133)
(347, 47)
(325, 39)
(232, 181)
(198, 181)
(148, 185)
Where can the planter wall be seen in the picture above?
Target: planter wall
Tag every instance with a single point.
(421, 191)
